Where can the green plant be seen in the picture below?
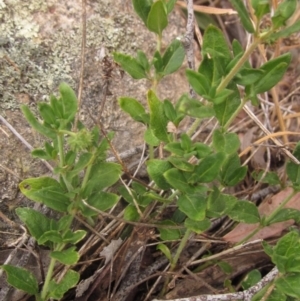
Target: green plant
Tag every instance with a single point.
(192, 175)
(80, 173)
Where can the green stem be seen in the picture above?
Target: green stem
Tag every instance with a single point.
(48, 279)
(158, 44)
(269, 218)
(58, 247)
(87, 172)
(60, 142)
(288, 198)
(151, 152)
(180, 248)
(175, 258)
(250, 235)
(238, 65)
(193, 127)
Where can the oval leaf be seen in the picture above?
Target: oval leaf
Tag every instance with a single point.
(21, 279)
(243, 14)
(157, 18)
(194, 206)
(245, 212)
(173, 57)
(156, 168)
(69, 101)
(158, 120)
(133, 108)
(67, 257)
(142, 8)
(130, 65)
(209, 167)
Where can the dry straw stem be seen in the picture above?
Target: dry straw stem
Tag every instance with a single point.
(269, 134)
(83, 46)
(209, 10)
(22, 139)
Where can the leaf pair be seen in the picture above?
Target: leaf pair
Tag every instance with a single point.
(139, 67)
(56, 115)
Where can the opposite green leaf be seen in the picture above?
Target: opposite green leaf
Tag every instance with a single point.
(219, 204)
(215, 46)
(232, 171)
(142, 8)
(143, 60)
(158, 120)
(52, 236)
(40, 153)
(197, 226)
(198, 82)
(169, 110)
(293, 169)
(181, 163)
(261, 7)
(194, 206)
(47, 191)
(283, 12)
(271, 78)
(285, 214)
(69, 101)
(270, 178)
(35, 221)
(57, 290)
(228, 143)
(273, 72)
(165, 250)
(102, 175)
(173, 57)
(289, 285)
(131, 213)
(157, 18)
(286, 253)
(209, 167)
(47, 114)
(101, 200)
(243, 14)
(44, 130)
(150, 138)
(67, 257)
(168, 234)
(251, 279)
(170, 5)
(155, 169)
(227, 108)
(194, 108)
(74, 237)
(245, 212)
(21, 279)
(134, 109)
(177, 179)
(130, 65)
(286, 32)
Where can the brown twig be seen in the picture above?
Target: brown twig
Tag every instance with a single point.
(83, 45)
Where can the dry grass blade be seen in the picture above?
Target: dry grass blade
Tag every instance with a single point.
(267, 132)
(209, 10)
